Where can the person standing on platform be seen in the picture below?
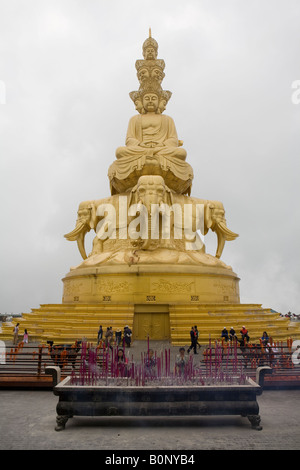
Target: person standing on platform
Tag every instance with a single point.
(111, 337)
(100, 334)
(193, 341)
(25, 337)
(118, 335)
(108, 337)
(197, 336)
(127, 335)
(16, 334)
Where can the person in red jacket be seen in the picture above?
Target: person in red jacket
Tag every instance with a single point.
(244, 333)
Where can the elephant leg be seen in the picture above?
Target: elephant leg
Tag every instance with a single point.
(97, 246)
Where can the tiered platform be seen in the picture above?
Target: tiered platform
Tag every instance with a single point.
(212, 318)
(65, 323)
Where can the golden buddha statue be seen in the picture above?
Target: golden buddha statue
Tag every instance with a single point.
(151, 166)
(152, 146)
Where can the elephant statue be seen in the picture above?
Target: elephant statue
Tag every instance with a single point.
(89, 216)
(213, 218)
(116, 217)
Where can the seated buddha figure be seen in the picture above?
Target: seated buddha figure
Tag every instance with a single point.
(151, 133)
(151, 147)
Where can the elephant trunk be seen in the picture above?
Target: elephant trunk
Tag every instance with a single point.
(152, 207)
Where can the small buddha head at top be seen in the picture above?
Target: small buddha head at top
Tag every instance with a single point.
(150, 53)
(150, 48)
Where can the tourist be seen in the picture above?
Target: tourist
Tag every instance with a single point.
(118, 335)
(121, 357)
(127, 335)
(244, 333)
(197, 336)
(265, 339)
(16, 334)
(224, 334)
(121, 363)
(232, 334)
(100, 334)
(25, 337)
(150, 358)
(108, 337)
(272, 352)
(150, 364)
(181, 361)
(111, 337)
(193, 341)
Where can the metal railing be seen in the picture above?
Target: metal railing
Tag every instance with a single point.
(25, 361)
(278, 355)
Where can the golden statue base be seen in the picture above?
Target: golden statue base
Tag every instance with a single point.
(158, 284)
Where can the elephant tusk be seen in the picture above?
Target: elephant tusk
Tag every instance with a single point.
(221, 243)
(228, 234)
(72, 236)
(223, 234)
(80, 244)
(78, 234)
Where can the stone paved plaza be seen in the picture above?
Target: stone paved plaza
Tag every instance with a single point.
(27, 421)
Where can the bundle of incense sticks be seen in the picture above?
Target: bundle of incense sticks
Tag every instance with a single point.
(108, 367)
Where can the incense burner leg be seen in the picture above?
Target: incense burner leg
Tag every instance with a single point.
(61, 422)
(255, 422)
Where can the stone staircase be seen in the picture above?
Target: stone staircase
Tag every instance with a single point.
(65, 323)
(212, 318)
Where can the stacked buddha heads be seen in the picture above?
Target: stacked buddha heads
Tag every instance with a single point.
(150, 73)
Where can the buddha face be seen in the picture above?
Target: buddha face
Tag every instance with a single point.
(138, 105)
(143, 74)
(162, 105)
(157, 74)
(150, 102)
(150, 53)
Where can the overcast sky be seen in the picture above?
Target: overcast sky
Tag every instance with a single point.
(66, 70)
